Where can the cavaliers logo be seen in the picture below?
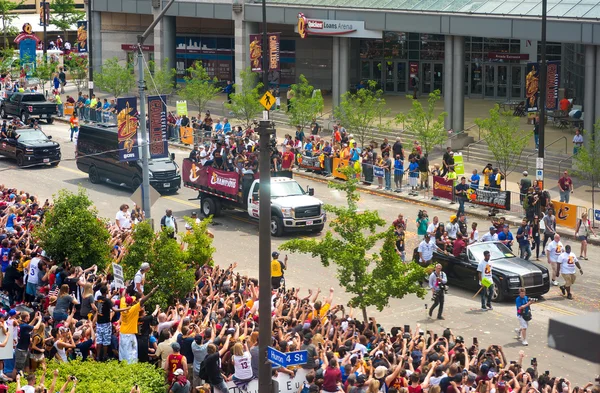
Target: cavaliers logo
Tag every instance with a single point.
(302, 24)
(563, 213)
(194, 173)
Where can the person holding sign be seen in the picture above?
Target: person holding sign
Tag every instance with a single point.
(484, 273)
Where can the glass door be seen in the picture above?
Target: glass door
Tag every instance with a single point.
(476, 79)
(401, 77)
(502, 86)
(377, 73)
(516, 82)
(490, 80)
(426, 78)
(365, 70)
(438, 78)
(390, 77)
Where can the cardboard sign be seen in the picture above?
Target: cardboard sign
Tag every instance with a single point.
(442, 188)
(459, 164)
(566, 214)
(182, 108)
(118, 276)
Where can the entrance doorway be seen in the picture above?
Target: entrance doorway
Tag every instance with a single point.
(396, 77)
(495, 80)
(431, 77)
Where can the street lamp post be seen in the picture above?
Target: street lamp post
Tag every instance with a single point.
(89, 49)
(542, 99)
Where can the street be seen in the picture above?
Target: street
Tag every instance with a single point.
(236, 241)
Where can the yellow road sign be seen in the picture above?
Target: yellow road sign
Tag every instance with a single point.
(267, 100)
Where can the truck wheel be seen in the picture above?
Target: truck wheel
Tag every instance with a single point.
(20, 159)
(93, 174)
(135, 183)
(217, 208)
(24, 116)
(208, 207)
(50, 120)
(498, 294)
(3, 113)
(318, 228)
(276, 226)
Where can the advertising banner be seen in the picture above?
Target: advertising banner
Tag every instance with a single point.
(378, 171)
(127, 125)
(273, 51)
(226, 182)
(532, 86)
(157, 121)
(566, 214)
(490, 198)
(338, 164)
(44, 13)
(442, 188)
(181, 108)
(413, 69)
(256, 52)
(274, 39)
(459, 164)
(82, 36)
(336, 28)
(553, 79)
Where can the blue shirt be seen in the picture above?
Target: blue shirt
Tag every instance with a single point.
(4, 252)
(106, 106)
(523, 241)
(474, 181)
(505, 236)
(521, 301)
(10, 221)
(398, 167)
(413, 169)
(226, 127)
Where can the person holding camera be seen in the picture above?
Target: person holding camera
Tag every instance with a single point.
(523, 315)
(437, 284)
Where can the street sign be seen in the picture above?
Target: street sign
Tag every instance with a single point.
(136, 197)
(267, 100)
(539, 163)
(288, 358)
(539, 174)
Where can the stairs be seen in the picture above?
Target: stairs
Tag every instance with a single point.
(554, 162)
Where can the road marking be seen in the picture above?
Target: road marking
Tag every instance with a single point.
(78, 172)
(182, 201)
(557, 309)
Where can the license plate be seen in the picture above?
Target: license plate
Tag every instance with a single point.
(309, 222)
(46, 160)
(166, 185)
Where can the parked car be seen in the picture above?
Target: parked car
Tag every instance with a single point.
(28, 105)
(509, 271)
(31, 147)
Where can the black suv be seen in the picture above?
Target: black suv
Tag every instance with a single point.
(28, 105)
(31, 147)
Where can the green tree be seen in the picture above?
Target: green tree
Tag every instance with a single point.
(505, 139)
(199, 251)
(169, 270)
(102, 377)
(307, 104)
(115, 78)
(371, 279)
(140, 250)
(44, 71)
(64, 15)
(427, 127)
(72, 229)
(245, 104)
(77, 67)
(163, 78)
(8, 57)
(199, 88)
(587, 162)
(6, 8)
(359, 111)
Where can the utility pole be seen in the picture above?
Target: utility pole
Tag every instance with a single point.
(45, 16)
(264, 231)
(89, 49)
(142, 121)
(542, 99)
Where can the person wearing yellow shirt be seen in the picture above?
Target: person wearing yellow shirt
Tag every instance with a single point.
(128, 349)
(320, 309)
(487, 171)
(277, 268)
(59, 104)
(93, 104)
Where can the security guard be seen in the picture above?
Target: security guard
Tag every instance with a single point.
(277, 268)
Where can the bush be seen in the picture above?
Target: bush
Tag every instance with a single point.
(113, 376)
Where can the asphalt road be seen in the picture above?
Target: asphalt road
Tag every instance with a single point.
(236, 241)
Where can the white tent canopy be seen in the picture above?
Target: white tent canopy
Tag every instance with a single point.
(34, 21)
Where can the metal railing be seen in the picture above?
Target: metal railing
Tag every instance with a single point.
(527, 158)
(469, 148)
(563, 160)
(562, 137)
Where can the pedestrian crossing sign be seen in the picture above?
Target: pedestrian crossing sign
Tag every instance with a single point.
(267, 100)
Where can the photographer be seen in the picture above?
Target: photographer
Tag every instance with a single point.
(437, 284)
(523, 315)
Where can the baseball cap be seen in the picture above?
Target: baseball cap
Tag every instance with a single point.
(492, 228)
(12, 312)
(460, 339)
(176, 347)
(178, 371)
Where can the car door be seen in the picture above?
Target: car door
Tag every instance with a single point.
(10, 148)
(468, 271)
(253, 200)
(11, 104)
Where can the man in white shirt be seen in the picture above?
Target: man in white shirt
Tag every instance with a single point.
(490, 236)
(168, 222)
(437, 279)
(426, 249)
(140, 278)
(123, 218)
(553, 251)
(33, 276)
(433, 225)
(567, 261)
(484, 273)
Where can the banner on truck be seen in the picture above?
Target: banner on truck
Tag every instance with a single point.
(195, 174)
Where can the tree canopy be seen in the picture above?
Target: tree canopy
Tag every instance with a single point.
(199, 88)
(245, 105)
(115, 78)
(64, 15)
(428, 128)
(306, 104)
(162, 81)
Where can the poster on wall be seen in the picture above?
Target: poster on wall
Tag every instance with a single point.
(127, 127)
(413, 69)
(157, 121)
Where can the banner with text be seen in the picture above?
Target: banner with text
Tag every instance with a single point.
(181, 107)
(127, 125)
(565, 213)
(256, 52)
(491, 198)
(532, 86)
(442, 188)
(82, 36)
(227, 182)
(157, 121)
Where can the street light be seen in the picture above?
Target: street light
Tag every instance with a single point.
(542, 98)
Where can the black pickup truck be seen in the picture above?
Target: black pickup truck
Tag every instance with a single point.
(31, 147)
(27, 105)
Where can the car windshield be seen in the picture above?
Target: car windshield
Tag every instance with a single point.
(33, 98)
(283, 189)
(497, 251)
(31, 135)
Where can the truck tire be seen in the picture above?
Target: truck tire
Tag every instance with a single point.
(318, 228)
(20, 159)
(276, 226)
(93, 174)
(50, 120)
(208, 206)
(24, 116)
(3, 113)
(135, 183)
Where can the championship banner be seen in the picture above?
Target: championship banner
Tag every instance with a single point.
(378, 171)
(532, 86)
(490, 198)
(44, 13)
(256, 52)
(157, 120)
(82, 36)
(442, 188)
(127, 125)
(226, 182)
(566, 214)
(181, 108)
(552, 81)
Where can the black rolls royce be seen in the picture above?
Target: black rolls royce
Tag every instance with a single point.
(509, 271)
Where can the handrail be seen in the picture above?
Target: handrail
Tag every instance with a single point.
(563, 160)
(469, 147)
(527, 158)
(562, 137)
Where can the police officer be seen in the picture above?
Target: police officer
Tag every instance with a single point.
(437, 283)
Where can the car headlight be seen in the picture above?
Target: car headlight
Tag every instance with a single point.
(178, 171)
(544, 275)
(150, 175)
(514, 280)
(287, 212)
(28, 151)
